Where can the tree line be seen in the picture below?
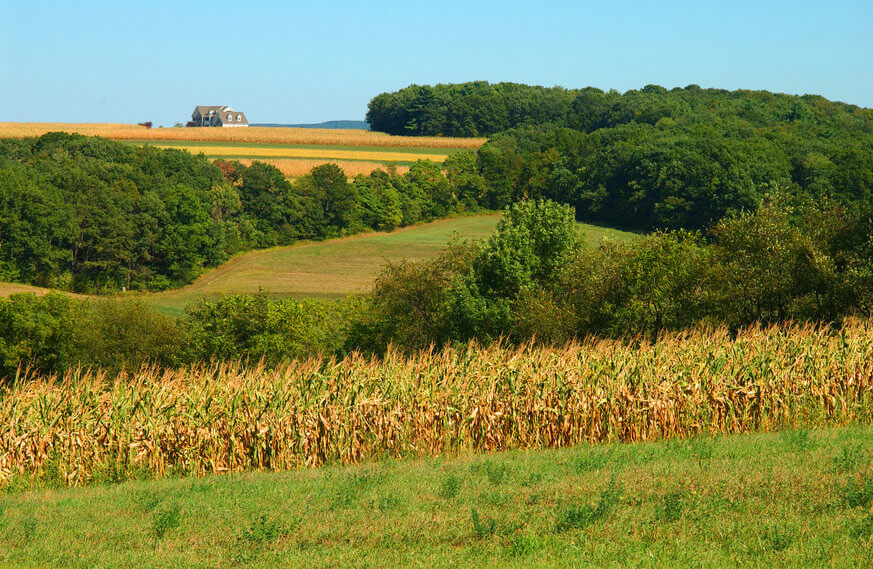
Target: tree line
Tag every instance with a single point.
(88, 214)
(646, 159)
(533, 279)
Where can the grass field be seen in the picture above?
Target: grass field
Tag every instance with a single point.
(328, 269)
(337, 267)
(794, 499)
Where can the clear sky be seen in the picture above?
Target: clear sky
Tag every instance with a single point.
(125, 61)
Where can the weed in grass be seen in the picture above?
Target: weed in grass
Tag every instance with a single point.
(857, 493)
(493, 498)
(863, 528)
(496, 472)
(262, 533)
(777, 538)
(28, 527)
(482, 528)
(262, 530)
(450, 487)
(523, 545)
(591, 460)
(532, 480)
(146, 501)
(578, 517)
(798, 440)
(165, 520)
(353, 488)
(674, 506)
(849, 458)
(387, 502)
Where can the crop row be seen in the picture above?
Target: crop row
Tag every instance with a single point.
(225, 417)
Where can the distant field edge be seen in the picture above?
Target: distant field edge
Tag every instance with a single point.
(275, 135)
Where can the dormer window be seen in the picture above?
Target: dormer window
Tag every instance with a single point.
(230, 117)
(238, 118)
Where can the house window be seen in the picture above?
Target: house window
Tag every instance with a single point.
(238, 118)
(230, 117)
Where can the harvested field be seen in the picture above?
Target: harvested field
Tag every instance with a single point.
(255, 152)
(296, 167)
(276, 135)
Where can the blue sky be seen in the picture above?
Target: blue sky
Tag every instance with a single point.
(313, 61)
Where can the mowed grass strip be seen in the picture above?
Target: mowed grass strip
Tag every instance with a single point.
(277, 135)
(795, 499)
(296, 152)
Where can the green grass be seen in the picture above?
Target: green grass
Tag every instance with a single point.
(792, 499)
(337, 267)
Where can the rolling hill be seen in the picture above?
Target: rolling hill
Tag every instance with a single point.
(327, 269)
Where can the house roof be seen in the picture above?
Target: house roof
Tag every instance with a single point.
(205, 109)
(237, 117)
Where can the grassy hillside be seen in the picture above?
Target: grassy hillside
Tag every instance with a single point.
(337, 267)
(328, 269)
(793, 499)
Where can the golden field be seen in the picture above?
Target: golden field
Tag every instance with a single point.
(265, 135)
(229, 417)
(260, 153)
(296, 167)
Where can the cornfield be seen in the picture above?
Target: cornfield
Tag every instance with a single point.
(229, 417)
(276, 135)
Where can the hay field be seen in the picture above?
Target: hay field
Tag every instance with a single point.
(326, 152)
(296, 167)
(334, 268)
(273, 135)
(328, 269)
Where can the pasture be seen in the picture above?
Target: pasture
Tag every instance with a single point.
(334, 268)
(329, 269)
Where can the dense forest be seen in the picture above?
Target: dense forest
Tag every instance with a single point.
(89, 214)
(649, 158)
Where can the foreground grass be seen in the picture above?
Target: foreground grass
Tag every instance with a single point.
(791, 499)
